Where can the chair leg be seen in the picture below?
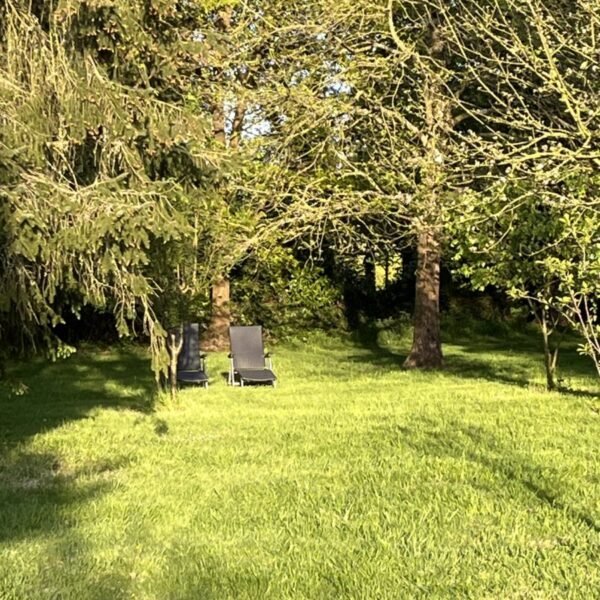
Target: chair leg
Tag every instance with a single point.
(231, 378)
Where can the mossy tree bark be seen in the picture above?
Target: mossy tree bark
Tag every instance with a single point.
(218, 331)
(228, 138)
(426, 351)
(220, 318)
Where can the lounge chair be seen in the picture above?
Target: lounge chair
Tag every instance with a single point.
(191, 361)
(248, 361)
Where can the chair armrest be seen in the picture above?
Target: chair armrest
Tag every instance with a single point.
(269, 360)
(203, 355)
(230, 355)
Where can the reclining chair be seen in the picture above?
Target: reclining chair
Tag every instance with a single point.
(191, 361)
(248, 361)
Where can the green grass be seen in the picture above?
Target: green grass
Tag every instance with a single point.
(352, 479)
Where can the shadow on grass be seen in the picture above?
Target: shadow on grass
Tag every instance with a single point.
(367, 337)
(70, 389)
(468, 365)
(509, 358)
(38, 492)
(211, 578)
(457, 440)
(40, 497)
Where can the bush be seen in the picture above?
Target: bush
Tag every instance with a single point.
(276, 290)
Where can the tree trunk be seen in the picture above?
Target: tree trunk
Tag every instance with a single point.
(550, 359)
(370, 277)
(550, 353)
(217, 335)
(220, 318)
(426, 350)
(175, 344)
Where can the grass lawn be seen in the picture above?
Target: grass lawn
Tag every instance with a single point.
(352, 479)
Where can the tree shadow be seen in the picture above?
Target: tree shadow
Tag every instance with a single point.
(508, 359)
(40, 497)
(52, 394)
(457, 440)
(210, 576)
(367, 337)
(38, 491)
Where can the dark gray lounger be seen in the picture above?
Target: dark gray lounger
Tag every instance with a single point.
(190, 363)
(248, 361)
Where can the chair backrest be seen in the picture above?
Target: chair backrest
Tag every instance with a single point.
(247, 347)
(189, 357)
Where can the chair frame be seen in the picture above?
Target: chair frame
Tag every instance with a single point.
(204, 384)
(234, 378)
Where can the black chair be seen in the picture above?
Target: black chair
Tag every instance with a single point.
(248, 361)
(191, 361)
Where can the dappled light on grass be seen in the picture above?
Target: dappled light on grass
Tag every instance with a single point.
(354, 478)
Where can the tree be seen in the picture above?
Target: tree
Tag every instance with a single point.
(367, 151)
(231, 77)
(531, 225)
(104, 165)
(410, 113)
